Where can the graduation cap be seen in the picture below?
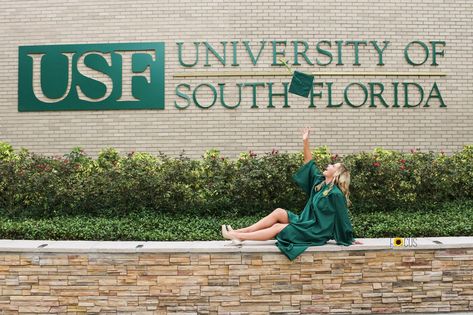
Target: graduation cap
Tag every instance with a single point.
(301, 82)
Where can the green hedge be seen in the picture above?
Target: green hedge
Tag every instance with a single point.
(451, 219)
(40, 186)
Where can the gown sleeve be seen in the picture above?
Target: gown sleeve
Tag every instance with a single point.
(307, 176)
(342, 230)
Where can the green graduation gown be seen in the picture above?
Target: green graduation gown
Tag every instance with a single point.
(323, 218)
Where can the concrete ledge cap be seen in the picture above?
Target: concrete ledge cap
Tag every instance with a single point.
(7, 245)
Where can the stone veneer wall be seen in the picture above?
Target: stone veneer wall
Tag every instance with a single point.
(346, 281)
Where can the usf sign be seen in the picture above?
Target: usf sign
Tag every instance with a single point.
(91, 76)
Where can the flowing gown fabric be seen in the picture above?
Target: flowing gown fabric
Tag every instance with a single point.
(324, 217)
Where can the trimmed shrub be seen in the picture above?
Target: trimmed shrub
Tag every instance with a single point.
(74, 184)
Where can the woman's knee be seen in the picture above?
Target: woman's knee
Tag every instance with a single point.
(278, 211)
(281, 215)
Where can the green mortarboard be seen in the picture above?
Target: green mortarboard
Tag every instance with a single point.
(301, 83)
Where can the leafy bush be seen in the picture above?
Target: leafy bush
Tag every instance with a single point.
(32, 185)
(451, 219)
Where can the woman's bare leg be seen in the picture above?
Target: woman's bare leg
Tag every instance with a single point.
(260, 235)
(279, 215)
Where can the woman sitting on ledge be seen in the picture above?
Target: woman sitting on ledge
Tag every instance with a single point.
(325, 215)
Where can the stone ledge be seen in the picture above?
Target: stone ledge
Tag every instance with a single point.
(215, 277)
(7, 245)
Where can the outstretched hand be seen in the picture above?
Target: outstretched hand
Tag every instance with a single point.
(305, 133)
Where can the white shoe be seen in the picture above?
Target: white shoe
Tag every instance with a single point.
(235, 241)
(225, 232)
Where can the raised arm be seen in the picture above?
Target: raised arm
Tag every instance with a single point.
(305, 139)
(308, 174)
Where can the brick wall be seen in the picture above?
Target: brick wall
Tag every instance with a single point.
(341, 282)
(194, 130)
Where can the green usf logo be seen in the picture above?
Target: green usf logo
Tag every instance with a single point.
(91, 76)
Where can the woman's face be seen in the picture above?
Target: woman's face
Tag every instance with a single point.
(331, 169)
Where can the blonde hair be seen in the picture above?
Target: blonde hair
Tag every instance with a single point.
(342, 179)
